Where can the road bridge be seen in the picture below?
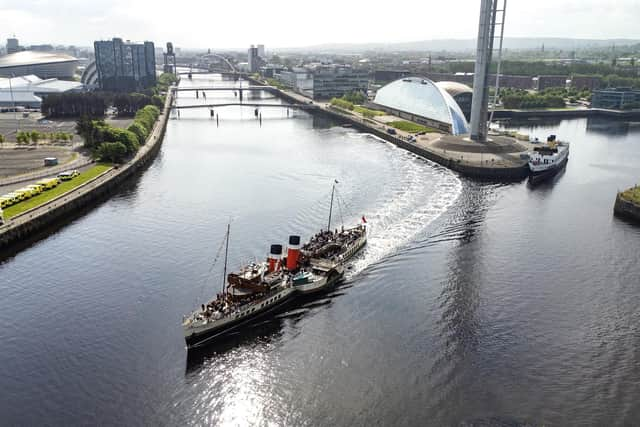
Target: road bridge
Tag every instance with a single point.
(247, 104)
(212, 88)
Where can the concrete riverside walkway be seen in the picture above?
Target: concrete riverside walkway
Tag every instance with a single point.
(85, 191)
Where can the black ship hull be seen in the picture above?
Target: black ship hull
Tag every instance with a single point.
(203, 338)
(542, 176)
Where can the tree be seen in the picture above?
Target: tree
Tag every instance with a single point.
(112, 151)
(86, 128)
(127, 138)
(2, 139)
(354, 97)
(140, 131)
(35, 136)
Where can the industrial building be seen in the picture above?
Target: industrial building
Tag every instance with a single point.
(28, 91)
(586, 82)
(125, 66)
(545, 82)
(43, 64)
(420, 100)
(616, 98)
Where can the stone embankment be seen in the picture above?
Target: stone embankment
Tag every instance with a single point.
(626, 208)
(27, 223)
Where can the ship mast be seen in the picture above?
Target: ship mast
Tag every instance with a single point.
(226, 253)
(333, 189)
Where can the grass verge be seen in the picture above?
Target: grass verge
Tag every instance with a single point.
(367, 112)
(410, 126)
(62, 188)
(632, 195)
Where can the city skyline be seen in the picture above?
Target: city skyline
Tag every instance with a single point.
(199, 25)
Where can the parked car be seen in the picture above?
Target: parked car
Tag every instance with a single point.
(6, 201)
(35, 188)
(67, 175)
(391, 131)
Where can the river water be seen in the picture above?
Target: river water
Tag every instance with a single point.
(472, 304)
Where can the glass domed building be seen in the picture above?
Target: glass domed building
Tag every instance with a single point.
(422, 101)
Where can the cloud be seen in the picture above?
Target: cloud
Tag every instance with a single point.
(216, 24)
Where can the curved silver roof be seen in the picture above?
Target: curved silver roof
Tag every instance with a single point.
(422, 97)
(454, 88)
(30, 57)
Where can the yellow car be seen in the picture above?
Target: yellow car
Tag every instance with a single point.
(37, 189)
(26, 191)
(17, 197)
(5, 202)
(65, 176)
(49, 183)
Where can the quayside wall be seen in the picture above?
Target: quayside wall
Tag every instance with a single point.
(477, 172)
(626, 209)
(29, 222)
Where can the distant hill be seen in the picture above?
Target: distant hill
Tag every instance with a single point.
(457, 45)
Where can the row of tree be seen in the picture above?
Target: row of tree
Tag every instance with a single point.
(114, 144)
(528, 100)
(94, 104)
(537, 68)
(24, 137)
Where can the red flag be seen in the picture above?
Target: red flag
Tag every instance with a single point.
(364, 219)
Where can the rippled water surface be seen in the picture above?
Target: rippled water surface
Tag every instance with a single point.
(472, 302)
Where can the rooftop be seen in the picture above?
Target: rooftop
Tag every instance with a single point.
(422, 97)
(454, 88)
(30, 57)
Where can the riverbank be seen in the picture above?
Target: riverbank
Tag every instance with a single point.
(27, 223)
(627, 204)
(566, 114)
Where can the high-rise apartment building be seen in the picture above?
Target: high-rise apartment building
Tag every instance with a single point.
(13, 45)
(125, 66)
(253, 59)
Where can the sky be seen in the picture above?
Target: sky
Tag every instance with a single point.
(221, 24)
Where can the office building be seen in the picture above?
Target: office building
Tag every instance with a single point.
(337, 80)
(421, 101)
(261, 52)
(586, 82)
(386, 76)
(616, 98)
(253, 59)
(13, 45)
(546, 82)
(125, 66)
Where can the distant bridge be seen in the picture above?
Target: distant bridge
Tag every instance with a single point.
(247, 104)
(210, 88)
(224, 73)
